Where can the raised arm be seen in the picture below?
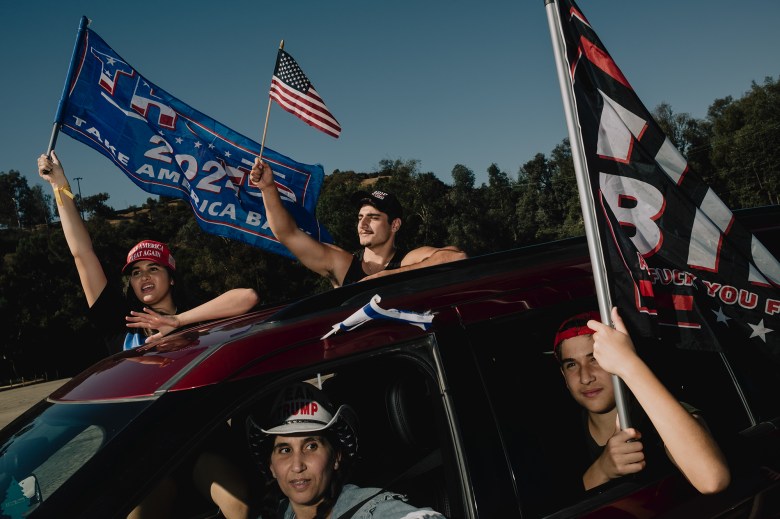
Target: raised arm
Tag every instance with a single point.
(689, 445)
(231, 303)
(93, 279)
(326, 260)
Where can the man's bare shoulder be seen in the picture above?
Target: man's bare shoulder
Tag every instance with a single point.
(434, 254)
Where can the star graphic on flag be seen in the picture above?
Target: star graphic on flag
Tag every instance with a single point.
(759, 330)
(720, 316)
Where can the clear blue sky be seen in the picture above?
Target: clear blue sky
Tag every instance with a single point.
(443, 82)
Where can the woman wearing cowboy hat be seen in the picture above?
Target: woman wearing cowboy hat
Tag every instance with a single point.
(305, 448)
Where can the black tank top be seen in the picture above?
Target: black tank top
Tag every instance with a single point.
(356, 273)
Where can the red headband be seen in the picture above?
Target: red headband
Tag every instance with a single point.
(567, 331)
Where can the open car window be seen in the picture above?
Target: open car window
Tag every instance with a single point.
(402, 438)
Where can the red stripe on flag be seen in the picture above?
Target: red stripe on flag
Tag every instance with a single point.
(603, 61)
(305, 108)
(646, 287)
(674, 301)
(683, 302)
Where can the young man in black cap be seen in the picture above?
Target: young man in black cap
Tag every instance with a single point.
(379, 220)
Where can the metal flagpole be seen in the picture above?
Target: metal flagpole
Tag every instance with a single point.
(83, 24)
(586, 194)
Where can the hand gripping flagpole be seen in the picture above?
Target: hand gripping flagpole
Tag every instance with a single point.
(586, 195)
(83, 24)
(268, 111)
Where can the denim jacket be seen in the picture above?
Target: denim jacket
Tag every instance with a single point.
(384, 505)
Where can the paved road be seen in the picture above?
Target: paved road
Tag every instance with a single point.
(14, 402)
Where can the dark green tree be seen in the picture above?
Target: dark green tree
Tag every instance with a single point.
(335, 209)
(44, 307)
(11, 185)
(20, 205)
(427, 211)
(95, 204)
(531, 215)
(465, 227)
(499, 198)
(565, 194)
(691, 137)
(745, 153)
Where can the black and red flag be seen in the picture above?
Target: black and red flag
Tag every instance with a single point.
(676, 261)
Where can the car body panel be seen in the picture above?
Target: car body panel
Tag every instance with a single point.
(491, 402)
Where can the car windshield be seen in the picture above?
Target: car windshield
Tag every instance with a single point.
(41, 455)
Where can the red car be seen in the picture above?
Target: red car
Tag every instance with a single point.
(469, 417)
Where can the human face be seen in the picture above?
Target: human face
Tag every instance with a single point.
(151, 282)
(588, 383)
(374, 227)
(303, 467)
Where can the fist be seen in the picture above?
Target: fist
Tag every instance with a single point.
(261, 174)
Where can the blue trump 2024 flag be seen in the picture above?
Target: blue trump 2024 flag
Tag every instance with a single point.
(168, 148)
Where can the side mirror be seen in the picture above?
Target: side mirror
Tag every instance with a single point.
(31, 490)
(22, 497)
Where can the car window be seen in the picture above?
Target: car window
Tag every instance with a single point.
(539, 422)
(56, 469)
(710, 378)
(701, 379)
(542, 427)
(44, 454)
(402, 440)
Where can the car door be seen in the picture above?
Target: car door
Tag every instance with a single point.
(541, 429)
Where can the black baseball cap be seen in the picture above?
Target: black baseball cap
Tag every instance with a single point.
(385, 202)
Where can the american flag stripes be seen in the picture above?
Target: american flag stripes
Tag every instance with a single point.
(294, 92)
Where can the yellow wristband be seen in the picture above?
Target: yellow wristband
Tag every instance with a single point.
(62, 189)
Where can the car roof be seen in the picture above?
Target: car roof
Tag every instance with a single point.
(273, 338)
(254, 343)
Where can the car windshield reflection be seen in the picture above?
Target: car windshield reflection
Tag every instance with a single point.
(43, 454)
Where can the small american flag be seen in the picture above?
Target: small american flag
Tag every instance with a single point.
(372, 310)
(294, 92)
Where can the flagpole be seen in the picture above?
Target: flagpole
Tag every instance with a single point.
(586, 196)
(268, 111)
(83, 24)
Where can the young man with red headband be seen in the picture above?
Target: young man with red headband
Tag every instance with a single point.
(589, 353)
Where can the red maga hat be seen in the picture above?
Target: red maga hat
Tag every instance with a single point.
(153, 251)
